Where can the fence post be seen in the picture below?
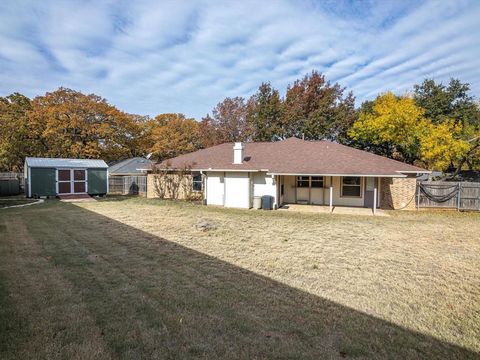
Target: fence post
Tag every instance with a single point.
(459, 195)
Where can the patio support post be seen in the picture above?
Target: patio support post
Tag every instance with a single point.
(375, 200)
(331, 197)
(204, 184)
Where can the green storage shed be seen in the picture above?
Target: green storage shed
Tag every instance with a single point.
(52, 177)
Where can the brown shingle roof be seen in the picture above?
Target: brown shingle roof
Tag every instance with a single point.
(293, 156)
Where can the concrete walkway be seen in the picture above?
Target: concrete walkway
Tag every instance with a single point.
(39, 201)
(76, 198)
(346, 210)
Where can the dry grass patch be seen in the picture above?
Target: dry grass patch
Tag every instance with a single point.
(146, 282)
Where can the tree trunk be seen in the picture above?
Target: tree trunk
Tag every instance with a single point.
(465, 159)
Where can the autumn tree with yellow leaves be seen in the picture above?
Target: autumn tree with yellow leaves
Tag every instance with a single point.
(397, 122)
(452, 106)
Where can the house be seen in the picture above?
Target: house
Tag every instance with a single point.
(297, 171)
(53, 177)
(136, 166)
(129, 176)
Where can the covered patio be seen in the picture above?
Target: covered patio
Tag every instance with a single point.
(329, 193)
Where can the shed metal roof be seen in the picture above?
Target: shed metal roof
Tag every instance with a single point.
(67, 163)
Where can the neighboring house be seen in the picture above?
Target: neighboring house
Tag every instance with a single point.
(463, 175)
(429, 176)
(136, 166)
(129, 176)
(298, 171)
(52, 177)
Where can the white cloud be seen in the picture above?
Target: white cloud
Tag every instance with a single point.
(150, 57)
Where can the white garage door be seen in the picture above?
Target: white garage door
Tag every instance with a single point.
(215, 188)
(237, 190)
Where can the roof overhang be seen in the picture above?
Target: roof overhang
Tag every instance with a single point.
(127, 174)
(415, 172)
(398, 174)
(227, 170)
(205, 169)
(338, 174)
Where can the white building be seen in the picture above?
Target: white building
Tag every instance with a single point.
(300, 172)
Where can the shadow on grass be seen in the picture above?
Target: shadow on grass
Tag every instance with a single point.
(153, 298)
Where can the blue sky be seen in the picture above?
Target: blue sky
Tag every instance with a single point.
(150, 57)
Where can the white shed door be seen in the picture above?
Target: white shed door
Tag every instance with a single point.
(215, 188)
(237, 190)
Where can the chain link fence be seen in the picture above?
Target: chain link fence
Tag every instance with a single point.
(127, 185)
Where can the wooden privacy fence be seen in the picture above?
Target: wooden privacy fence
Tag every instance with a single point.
(448, 195)
(9, 178)
(127, 185)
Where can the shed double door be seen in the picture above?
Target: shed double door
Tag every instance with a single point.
(71, 181)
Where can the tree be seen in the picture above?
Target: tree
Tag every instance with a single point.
(399, 125)
(315, 109)
(364, 142)
(230, 119)
(394, 123)
(173, 135)
(444, 104)
(16, 141)
(265, 114)
(140, 142)
(441, 144)
(447, 102)
(71, 124)
(209, 135)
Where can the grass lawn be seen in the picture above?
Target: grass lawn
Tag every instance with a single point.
(14, 200)
(132, 278)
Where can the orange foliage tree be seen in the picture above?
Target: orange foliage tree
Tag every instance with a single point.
(71, 124)
(171, 135)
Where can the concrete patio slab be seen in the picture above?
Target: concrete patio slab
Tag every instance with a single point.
(346, 210)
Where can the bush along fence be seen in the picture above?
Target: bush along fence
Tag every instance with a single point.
(127, 185)
(448, 195)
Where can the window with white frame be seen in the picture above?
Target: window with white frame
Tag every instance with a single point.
(317, 181)
(197, 183)
(303, 181)
(351, 186)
